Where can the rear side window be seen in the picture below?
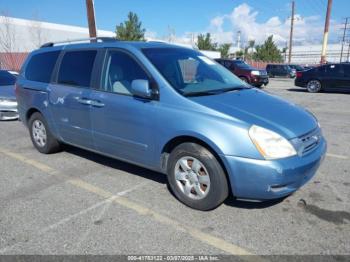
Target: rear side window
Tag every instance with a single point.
(40, 66)
(7, 79)
(76, 68)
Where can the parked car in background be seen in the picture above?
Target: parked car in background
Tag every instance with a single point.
(246, 72)
(331, 77)
(280, 70)
(8, 104)
(307, 67)
(297, 68)
(173, 110)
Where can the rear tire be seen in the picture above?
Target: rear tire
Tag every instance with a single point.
(314, 86)
(196, 177)
(41, 136)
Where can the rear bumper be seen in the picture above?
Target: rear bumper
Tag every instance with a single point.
(263, 179)
(298, 82)
(8, 111)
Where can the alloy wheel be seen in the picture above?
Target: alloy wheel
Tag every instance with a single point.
(39, 133)
(192, 178)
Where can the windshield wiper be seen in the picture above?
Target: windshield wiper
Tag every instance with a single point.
(215, 92)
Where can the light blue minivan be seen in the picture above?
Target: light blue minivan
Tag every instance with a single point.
(173, 110)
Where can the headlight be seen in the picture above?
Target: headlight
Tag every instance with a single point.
(270, 144)
(255, 72)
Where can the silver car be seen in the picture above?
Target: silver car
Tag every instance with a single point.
(8, 103)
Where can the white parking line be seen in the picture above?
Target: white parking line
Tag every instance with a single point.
(337, 156)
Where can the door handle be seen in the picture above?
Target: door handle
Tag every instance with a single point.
(84, 101)
(97, 103)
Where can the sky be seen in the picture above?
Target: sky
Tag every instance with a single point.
(183, 19)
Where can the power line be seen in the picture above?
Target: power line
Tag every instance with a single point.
(291, 33)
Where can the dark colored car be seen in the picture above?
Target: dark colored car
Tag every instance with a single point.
(246, 72)
(326, 77)
(280, 70)
(297, 68)
(8, 104)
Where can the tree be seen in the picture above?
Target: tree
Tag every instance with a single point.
(268, 51)
(131, 29)
(7, 33)
(7, 41)
(205, 42)
(224, 50)
(239, 54)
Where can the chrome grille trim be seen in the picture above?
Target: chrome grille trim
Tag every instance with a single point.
(308, 142)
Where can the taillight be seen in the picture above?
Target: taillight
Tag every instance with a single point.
(299, 74)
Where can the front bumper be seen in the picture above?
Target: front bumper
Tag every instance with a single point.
(8, 110)
(259, 80)
(264, 179)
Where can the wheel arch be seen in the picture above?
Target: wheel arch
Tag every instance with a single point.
(30, 112)
(245, 77)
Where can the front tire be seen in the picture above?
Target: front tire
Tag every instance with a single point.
(196, 177)
(314, 86)
(41, 136)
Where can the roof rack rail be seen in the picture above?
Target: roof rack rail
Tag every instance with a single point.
(91, 39)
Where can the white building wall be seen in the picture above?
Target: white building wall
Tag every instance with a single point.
(312, 53)
(28, 34)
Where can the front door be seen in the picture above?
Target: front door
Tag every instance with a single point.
(346, 79)
(123, 125)
(69, 98)
(333, 76)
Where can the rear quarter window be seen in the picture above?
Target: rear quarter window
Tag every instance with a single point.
(40, 66)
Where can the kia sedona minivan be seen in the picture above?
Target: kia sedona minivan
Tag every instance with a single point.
(172, 110)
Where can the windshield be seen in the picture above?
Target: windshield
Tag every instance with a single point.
(191, 73)
(7, 79)
(243, 65)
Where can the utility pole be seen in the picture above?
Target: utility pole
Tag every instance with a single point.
(343, 40)
(291, 33)
(326, 29)
(91, 18)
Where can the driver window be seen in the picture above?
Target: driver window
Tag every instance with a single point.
(121, 70)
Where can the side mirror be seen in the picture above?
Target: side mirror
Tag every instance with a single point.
(141, 88)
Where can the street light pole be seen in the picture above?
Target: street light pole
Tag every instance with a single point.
(325, 35)
(91, 18)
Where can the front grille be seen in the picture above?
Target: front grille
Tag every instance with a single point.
(263, 72)
(309, 141)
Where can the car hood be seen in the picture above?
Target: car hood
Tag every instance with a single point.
(8, 92)
(260, 108)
